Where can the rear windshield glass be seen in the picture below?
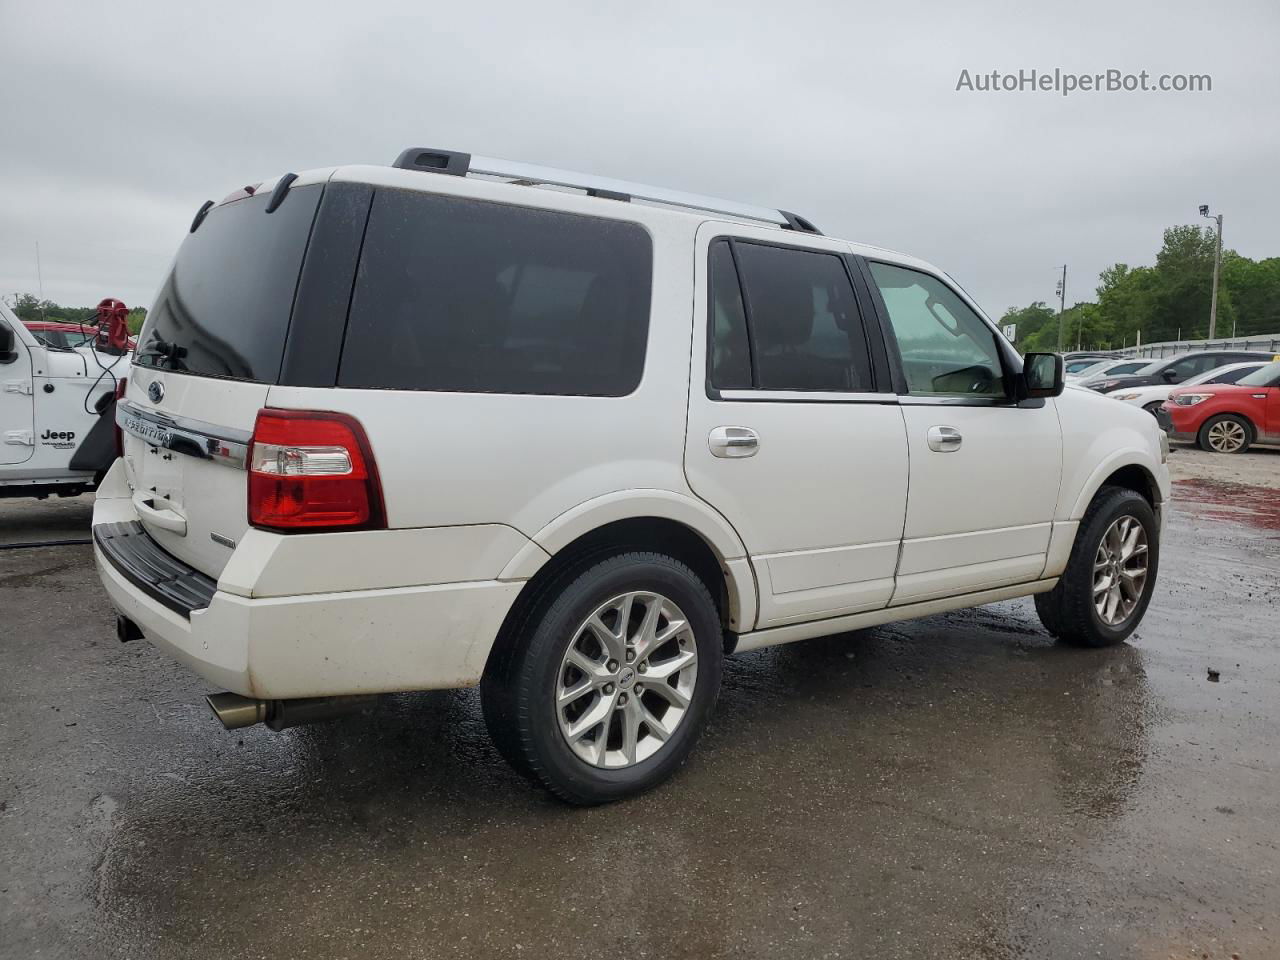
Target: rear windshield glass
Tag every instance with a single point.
(224, 308)
(480, 297)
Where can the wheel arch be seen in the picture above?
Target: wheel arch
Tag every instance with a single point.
(1129, 471)
(670, 524)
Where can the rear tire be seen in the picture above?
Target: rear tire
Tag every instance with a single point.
(1226, 433)
(607, 684)
(1075, 611)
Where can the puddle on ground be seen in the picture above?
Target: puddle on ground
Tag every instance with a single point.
(1233, 502)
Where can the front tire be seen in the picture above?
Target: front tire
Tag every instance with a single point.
(1106, 587)
(610, 680)
(1226, 433)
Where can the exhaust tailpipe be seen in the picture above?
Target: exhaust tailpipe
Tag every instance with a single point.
(127, 630)
(236, 711)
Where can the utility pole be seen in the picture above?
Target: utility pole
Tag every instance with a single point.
(1217, 269)
(1062, 301)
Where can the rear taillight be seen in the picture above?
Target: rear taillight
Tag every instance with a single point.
(119, 434)
(312, 471)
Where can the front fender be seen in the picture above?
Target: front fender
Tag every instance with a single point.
(1110, 465)
(1100, 436)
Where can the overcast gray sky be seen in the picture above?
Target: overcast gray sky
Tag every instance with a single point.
(120, 118)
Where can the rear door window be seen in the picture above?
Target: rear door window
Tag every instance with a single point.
(730, 359)
(473, 296)
(792, 324)
(224, 308)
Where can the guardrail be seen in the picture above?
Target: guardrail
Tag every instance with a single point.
(1268, 342)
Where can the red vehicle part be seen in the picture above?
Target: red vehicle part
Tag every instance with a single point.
(1226, 418)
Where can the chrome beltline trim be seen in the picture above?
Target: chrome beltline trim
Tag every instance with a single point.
(806, 396)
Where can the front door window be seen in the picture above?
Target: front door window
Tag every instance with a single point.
(946, 348)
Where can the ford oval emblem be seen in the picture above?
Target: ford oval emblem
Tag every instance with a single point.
(155, 391)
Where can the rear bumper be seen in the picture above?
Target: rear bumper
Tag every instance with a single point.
(321, 644)
(141, 561)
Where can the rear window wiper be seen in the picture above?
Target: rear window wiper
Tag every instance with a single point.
(161, 348)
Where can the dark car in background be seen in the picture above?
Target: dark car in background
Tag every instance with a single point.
(1175, 369)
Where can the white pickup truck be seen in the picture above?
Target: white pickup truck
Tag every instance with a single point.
(57, 413)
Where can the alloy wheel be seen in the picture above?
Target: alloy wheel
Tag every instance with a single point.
(1226, 436)
(1120, 570)
(626, 680)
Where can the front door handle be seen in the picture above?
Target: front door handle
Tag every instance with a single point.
(944, 439)
(733, 442)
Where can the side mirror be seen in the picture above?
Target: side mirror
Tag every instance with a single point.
(7, 353)
(1170, 375)
(1042, 375)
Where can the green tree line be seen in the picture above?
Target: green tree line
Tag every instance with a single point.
(27, 306)
(1168, 301)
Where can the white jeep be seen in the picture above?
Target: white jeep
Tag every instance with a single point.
(465, 421)
(57, 415)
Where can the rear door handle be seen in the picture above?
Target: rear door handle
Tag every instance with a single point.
(944, 439)
(733, 442)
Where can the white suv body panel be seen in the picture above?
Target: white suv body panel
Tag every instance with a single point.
(315, 643)
(843, 519)
(191, 499)
(816, 551)
(1099, 437)
(1008, 467)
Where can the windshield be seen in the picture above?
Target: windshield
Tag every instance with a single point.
(1083, 366)
(1267, 376)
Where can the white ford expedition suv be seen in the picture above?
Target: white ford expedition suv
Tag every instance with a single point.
(462, 421)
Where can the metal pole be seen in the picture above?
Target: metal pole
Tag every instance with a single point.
(40, 281)
(1217, 267)
(1062, 301)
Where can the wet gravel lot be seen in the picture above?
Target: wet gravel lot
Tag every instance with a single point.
(956, 786)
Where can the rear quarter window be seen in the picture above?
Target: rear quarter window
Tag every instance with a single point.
(480, 297)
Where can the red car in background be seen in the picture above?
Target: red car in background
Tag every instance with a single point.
(67, 335)
(1227, 418)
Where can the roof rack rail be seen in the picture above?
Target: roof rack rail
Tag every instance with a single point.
(454, 163)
